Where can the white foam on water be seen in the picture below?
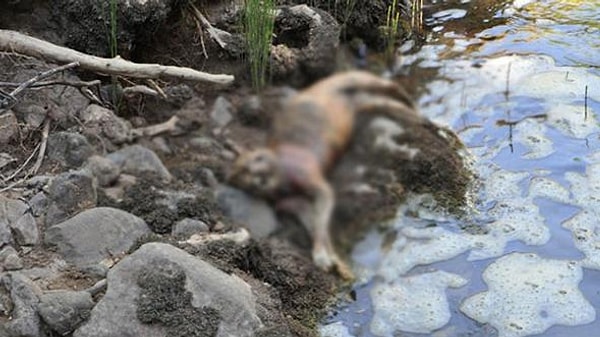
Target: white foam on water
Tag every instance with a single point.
(532, 134)
(584, 226)
(421, 246)
(528, 294)
(337, 329)
(413, 304)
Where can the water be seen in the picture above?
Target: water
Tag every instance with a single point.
(511, 80)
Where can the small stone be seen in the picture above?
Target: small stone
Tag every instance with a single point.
(69, 149)
(105, 170)
(9, 259)
(70, 193)
(139, 161)
(203, 143)
(101, 121)
(39, 182)
(25, 230)
(187, 227)
(38, 204)
(220, 114)
(95, 234)
(117, 191)
(9, 126)
(254, 213)
(64, 311)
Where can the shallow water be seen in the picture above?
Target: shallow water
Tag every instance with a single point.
(512, 83)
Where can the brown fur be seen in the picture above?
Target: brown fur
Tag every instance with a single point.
(307, 137)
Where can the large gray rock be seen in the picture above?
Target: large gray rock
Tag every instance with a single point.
(95, 234)
(10, 212)
(64, 311)
(139, 161)
(255, 214)
(303, 50)
(69, 149)
(70, 193)
(24, 294)
(166, 270)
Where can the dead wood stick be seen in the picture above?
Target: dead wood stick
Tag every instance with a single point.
(12, 41)
(77, 84)
(40, 158)
(212, 31)
(157, 129)
(18, 170)
(42, 76)
(13, 94)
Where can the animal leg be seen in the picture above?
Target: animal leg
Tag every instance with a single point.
(386, 106)
(323, 252)
(362, 81)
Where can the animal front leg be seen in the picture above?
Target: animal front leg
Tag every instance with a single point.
(323, 252)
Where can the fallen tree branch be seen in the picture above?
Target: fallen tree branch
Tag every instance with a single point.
(12, 41)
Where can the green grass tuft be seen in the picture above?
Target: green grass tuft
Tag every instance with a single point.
(392, 33)
(259, 21)
(113, 28)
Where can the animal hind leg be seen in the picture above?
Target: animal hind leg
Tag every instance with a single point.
(355, 82)
(367, 103)
(317, 222)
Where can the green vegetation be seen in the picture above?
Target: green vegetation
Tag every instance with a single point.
(113, 29)
(416, 17)
(391, 33)
(259, 20)
(347, 9)
(112, 32)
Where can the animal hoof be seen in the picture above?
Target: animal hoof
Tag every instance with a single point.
(330, 261)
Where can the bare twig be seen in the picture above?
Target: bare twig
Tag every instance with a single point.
(42, 152)
(156, 87)
(156, 129)
(71, 83)
(585, 104)
(42, 76)
(214, 33)
(23, 44)
(139, 89)
(20, 168)
(507, 92)
(13, 94)
(82, 86)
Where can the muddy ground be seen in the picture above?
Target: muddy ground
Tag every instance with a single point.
(371, 180)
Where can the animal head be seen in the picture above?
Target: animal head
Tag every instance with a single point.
(257, 172)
